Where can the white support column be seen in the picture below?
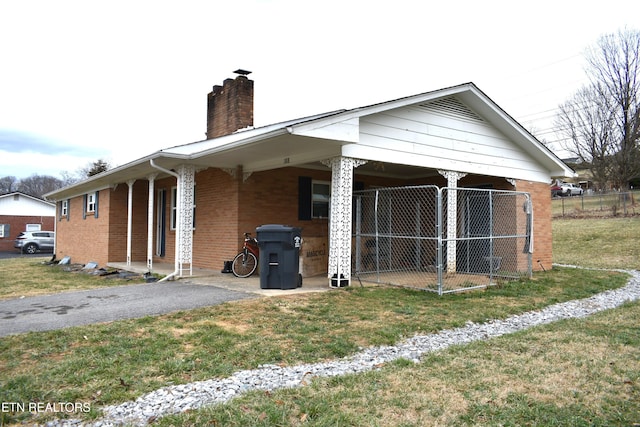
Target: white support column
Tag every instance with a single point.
(452, 216)
(184, 232)
(340, 217)
(129, 219)
(152, 178)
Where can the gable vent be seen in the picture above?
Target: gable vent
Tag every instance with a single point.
(451, 107)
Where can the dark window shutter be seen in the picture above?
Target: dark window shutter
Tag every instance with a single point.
(304, 198)
(95, 213)
(68, 209)
(84, 206)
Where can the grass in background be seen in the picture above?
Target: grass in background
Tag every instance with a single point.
(28, 276)
(603, 243)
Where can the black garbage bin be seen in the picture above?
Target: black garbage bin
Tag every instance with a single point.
(279, 256)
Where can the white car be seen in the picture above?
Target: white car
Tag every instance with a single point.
(30, 242)
(568, 189)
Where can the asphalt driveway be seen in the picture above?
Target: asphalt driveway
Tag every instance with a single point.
(49, 312)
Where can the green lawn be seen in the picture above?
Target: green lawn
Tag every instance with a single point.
(29, 276)
(578, 372)
(594, 242)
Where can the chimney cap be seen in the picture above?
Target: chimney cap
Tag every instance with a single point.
(242, 72)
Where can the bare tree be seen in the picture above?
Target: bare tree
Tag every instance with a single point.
(588, 124)
(68, 178)
(602, 121)
(8, 184)
(39, 185)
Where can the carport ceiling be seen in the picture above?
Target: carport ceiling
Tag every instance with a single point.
(384, 169)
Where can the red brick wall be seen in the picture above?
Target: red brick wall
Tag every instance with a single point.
(18, 224)
(228, 206)
(85, 239)
(542, 236)
(118, 222)
(215, 238)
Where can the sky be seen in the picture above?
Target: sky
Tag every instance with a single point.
(82, 80)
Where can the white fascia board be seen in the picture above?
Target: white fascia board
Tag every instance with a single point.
(72, 192)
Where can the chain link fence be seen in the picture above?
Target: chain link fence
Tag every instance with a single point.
(596, 205)
(440, 239)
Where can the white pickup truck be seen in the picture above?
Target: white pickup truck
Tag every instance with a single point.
(568, 189)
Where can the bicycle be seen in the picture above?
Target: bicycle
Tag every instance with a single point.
(245, 263)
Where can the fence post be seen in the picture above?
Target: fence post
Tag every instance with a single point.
(358, 231)
(491, 236)
(439, 260)
(375, 216)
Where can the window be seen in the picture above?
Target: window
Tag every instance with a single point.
(320, 197)
(33, 227)
(91, 202)
(174, 207)
(64, 208)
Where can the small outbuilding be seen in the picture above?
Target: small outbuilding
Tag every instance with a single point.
(22, 212)
(191, 204)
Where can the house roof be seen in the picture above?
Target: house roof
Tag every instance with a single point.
(306, 141)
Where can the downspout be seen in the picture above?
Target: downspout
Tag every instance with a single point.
(178, 203)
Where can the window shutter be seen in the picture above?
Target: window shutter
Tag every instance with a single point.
(95, 212)
(68, 209)
(304, 198)
(84, 206)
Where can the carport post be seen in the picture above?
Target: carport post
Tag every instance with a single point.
(129, 219)
(152, 178)
(452, 216)
(184, 229)
(340, 217)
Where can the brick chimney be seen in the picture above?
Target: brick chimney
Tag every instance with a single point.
(230, 106)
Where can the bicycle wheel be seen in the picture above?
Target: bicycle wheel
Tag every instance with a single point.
(244, 264)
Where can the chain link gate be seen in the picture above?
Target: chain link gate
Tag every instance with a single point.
(442, 239)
